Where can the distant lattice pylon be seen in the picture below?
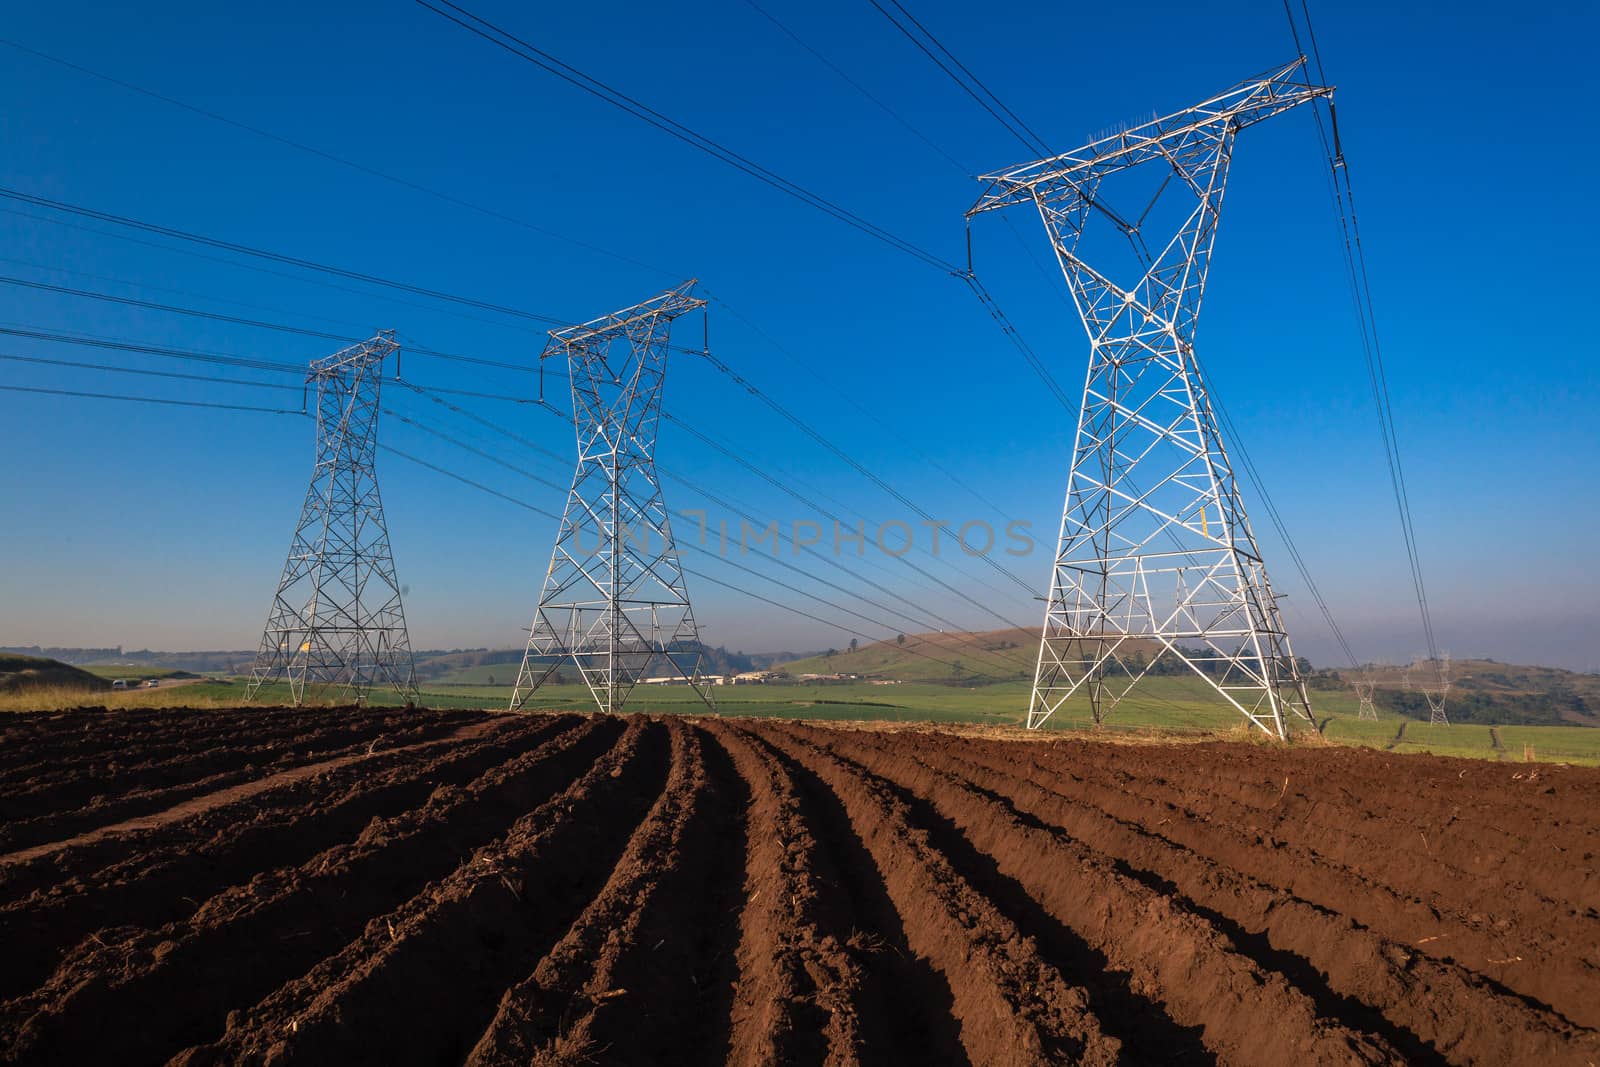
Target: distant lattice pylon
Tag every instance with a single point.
(1436, 688)
(617, 607)
(1366, 685)
(1155, 546)
(336, 622)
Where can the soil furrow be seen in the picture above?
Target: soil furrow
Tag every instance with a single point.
(1306, 806)
(165, 885)
(1343, 965)
(646, 973)
(53, 740)
(1447, 808)
(108, 761)
(424, 979)
(105, 856)
(1412, 861)
(206, 752)
(904, 1003)
(1547, 967)
(1012, 1006)
(800, 983)
(1195, 972)
(219, 772)
(115, 986)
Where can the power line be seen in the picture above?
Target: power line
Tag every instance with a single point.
(1014, 125)
(150, 373)
(474, 450)
(467, 481)
(214, 316)
(488, 31)
(276, 257)
(156, 288)
(1343, 195)
(522, 49)
(524, 504)
(854, 464)
(150, 400)
(260, 324)
(426, 392)
(257, 268)
(333, 158)
(701, 575)
(695, 487)
(458, 201)
(885, 108)
(153, 350)
(971, 280)
(1278, 524)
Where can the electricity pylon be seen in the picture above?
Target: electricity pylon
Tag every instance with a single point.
(1436, 689)
(336, 621)
(1366, 684)
(1155, 545)
(619, 606)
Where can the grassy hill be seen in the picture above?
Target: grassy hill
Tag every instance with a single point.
(964, 658)
(984, 658)
(19, 673)
(1482, 692)
(1486, 691)
(134, 672)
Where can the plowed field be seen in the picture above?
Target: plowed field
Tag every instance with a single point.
(382, 886)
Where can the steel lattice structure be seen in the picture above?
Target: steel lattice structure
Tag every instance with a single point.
(620, 606)
(1366, 685)
(1436, 692)
(1156, 555)
(336, 621)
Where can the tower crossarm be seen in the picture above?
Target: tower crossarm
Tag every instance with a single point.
(665, 307)
(375, 349)
(1171, 137)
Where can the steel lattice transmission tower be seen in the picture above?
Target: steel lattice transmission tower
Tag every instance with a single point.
(1435, 690)
(619, 606)
(1156, 555)
(336, 621)
(1366, 685)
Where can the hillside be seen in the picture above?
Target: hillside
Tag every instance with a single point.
(964, 658)
(485, 666)
(18, 673)
(1487, 691)
(1482, 690)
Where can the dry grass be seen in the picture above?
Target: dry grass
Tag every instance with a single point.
(66, 698)
(1126, 735)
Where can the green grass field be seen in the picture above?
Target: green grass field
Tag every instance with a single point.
(1346, 729)
(1166, 703)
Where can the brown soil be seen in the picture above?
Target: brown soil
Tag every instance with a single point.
(424, 887)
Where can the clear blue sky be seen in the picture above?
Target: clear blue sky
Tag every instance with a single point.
(1466, 128)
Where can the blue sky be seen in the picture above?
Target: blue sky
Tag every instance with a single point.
(156, 526)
